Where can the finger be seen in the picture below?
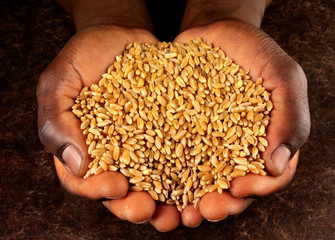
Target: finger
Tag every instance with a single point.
(256, 185)
(191, 217)
(135, 207)
(216, 206)
(59, 129)
(166, 217)
(108, 185)
(290, 120)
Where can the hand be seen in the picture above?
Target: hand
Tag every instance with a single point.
(289, 125)
(92, 50)
(82, 61)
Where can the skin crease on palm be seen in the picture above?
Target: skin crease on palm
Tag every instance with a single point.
(82, 61)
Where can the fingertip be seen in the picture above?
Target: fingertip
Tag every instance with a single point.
(256, 185)
(135, 207)
(277, 163)
(217, 206)
(73, 158)
(105, 185)
(166, 217)
(191, 216)
(210, 210)
(248, 185)
(61, 135)
(110, 185)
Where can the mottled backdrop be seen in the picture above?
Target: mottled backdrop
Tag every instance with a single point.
(34, 206)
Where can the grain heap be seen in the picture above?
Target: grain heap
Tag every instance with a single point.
(178, 119)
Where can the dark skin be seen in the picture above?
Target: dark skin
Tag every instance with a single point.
(92, 50)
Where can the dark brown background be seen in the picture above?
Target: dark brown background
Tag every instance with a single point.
(34, 206)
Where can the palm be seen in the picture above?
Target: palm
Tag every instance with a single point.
(252, 49)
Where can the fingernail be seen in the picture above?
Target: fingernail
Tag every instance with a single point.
(73, 159)
(216, 220)
(280, 157)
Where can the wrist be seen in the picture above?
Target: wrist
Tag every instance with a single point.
(126, 13)
(204, 12)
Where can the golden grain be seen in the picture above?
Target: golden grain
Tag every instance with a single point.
(179, 120)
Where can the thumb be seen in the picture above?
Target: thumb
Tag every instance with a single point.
(290, 120)
(58, 127)
(59, 135)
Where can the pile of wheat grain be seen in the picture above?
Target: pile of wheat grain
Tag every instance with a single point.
(178, 119)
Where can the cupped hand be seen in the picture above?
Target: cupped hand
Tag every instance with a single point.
(91, 51)
(289, 125)
(81, 63)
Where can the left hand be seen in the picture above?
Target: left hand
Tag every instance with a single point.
(84, 58)
(289, 125)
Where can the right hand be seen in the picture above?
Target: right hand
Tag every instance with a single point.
(82, 61)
